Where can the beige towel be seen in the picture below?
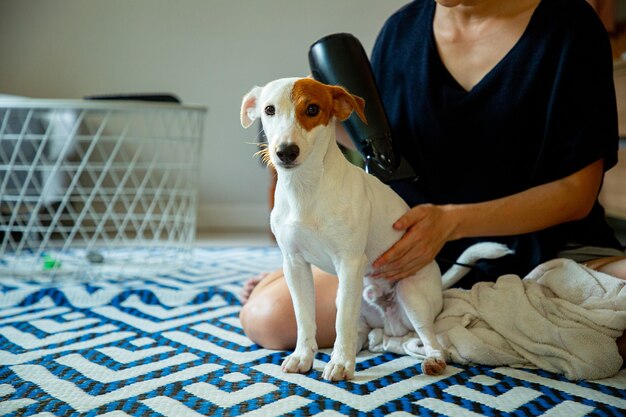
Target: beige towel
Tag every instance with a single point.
(563, 318)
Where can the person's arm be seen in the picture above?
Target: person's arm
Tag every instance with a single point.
(428, 227)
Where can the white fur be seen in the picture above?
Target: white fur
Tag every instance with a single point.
(332, 214)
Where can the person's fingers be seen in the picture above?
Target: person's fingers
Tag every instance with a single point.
(416, 248)
(393, 254)
(405, 271)
(408, 219)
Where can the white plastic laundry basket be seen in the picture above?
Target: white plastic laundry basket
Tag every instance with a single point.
(92, 186)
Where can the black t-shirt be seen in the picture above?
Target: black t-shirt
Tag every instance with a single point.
(545, 111)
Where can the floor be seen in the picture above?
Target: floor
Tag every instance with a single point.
(170, 343)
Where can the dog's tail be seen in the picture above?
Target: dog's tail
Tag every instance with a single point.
(471, 255)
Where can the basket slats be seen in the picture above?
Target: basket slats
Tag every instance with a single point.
(85, 178)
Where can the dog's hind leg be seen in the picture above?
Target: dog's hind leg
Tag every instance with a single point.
(422, 321)
(299, 278)
(435, 362)
(421, 312)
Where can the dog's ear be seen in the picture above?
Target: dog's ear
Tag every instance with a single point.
(344, 103)
(249, 108)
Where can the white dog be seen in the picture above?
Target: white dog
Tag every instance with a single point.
(332, 214)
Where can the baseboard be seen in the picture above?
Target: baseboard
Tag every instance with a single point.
(238, 217)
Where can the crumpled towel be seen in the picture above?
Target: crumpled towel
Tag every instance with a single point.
(563, 317)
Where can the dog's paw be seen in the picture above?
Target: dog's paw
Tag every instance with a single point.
(434, 364)
(338, 370)
(298, 363)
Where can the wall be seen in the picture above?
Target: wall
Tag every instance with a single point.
(208, 52)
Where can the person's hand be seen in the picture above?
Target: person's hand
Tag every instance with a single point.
(427, 228)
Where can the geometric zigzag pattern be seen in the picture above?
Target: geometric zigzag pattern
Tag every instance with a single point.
(170, 344)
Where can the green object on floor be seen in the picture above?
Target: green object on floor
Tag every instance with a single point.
(50, 263)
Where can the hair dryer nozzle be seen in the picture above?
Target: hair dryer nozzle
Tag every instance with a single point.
(340, 59)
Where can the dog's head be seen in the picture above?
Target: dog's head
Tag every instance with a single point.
(298, 116)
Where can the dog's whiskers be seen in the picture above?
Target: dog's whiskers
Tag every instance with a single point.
(258, 141)
(264, 152)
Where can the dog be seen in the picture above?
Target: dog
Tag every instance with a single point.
(332, 214)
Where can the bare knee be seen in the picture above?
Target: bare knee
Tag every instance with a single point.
(269, 321)
(268, 317)
(616, 268)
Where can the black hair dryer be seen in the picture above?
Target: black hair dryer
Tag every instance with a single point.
(340, 59)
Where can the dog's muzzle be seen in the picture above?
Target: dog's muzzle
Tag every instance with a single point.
(287, 154)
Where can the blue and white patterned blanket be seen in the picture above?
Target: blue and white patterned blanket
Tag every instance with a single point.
(170, 344)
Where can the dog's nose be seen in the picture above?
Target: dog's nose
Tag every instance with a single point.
(287, 153)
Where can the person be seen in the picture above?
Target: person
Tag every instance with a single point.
(507, 112)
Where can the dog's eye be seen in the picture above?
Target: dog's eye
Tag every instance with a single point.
(313, 110)
(270, 110)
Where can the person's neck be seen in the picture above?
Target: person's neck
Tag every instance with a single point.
(470, 12)
(470, 18)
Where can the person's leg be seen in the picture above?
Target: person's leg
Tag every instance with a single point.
(268, 318)
(615, 266)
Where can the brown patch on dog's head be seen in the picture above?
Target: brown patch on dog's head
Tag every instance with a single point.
(315, 103)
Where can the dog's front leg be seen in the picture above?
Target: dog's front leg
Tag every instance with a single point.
(299, 279)
(342, 361)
